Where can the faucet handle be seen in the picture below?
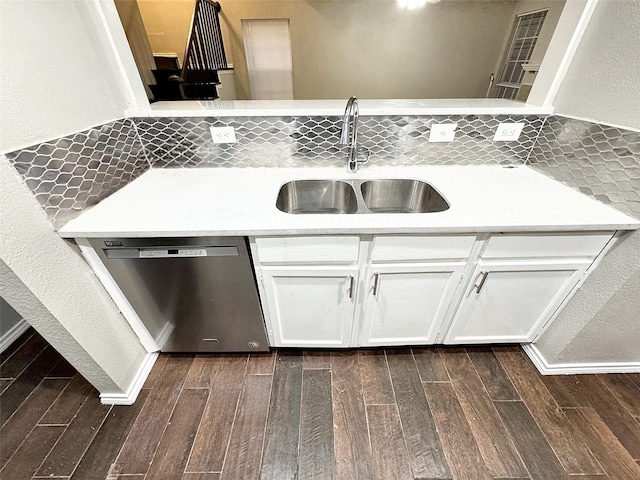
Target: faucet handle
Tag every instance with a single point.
(358, 155)
(362, 155)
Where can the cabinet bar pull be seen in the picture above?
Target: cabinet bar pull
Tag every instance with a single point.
(350, 286)
(484, 279)
(376, 278)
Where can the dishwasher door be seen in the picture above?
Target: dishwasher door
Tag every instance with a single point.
(195, 294)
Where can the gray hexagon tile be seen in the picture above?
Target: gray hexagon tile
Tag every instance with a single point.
(599, 160)
(71, 173)
(313, 141)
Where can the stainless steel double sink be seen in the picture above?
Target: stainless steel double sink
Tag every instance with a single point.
(359, 196)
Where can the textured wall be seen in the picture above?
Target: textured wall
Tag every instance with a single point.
(56, 73)
(619, 314)
(602, 81)
(47, 325)
(48, 282)
(600, 323)
(57, 77)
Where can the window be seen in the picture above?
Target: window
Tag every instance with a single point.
(524, 35)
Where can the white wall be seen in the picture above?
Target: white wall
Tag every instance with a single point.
(601, 322)
(136, 34)
(58, 76)
(167, 23)
(602, 83)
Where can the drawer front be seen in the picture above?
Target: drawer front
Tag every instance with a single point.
(585, 244)
(393, 248)
(308, 249)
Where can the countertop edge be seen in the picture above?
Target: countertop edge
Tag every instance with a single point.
(70, 234)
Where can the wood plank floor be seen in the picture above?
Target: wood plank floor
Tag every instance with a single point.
(422, 413)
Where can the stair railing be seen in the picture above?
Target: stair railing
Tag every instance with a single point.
(205, 50)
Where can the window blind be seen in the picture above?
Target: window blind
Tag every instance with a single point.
(267, 45)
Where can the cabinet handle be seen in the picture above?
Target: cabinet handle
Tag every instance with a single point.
(376, 278)
(484, 279)
(350, 286)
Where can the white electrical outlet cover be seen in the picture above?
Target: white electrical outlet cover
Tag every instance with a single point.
(443, 132)
(223, 134)
(508, 131)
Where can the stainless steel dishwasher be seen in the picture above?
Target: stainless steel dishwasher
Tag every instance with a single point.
(195, 294)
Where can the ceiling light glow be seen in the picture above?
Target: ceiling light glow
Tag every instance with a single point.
(411, 4)
(414, 4)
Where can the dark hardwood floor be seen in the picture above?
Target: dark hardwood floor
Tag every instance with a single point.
(422, 413)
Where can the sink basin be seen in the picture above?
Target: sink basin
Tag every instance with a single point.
(360, 196)
(401, 196)
(317, 196)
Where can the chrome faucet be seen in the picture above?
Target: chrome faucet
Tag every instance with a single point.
(349, 136)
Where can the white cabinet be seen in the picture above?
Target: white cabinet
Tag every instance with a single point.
(406, 304)
(308, 288)
(510, 301)
(349, 291)
(310, 307)
(411, 283)
(334, 292)
(519, 282)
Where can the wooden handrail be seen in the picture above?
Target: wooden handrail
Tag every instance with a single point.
(205, 49)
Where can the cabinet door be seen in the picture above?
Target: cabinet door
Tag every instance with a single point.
(512, 301)
(309, 307)
(407, 304)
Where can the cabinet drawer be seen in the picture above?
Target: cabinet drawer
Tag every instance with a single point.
(588, 244)
(308, 249)
(421, 247)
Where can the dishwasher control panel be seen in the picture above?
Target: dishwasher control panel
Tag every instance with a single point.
(173, 252)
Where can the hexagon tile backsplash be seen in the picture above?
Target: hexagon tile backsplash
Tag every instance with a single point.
(70, 173)
(313, 141)
(600, 161)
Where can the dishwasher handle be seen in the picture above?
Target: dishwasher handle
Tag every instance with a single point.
(172, 252)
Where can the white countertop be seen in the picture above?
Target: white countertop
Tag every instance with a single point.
(370, 107)
(241, 201)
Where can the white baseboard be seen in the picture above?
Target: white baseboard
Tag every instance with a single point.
(545, 368)
(12, 334)
(129, 397)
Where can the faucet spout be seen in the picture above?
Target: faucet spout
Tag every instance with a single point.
(349, 121)
(349, 135)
